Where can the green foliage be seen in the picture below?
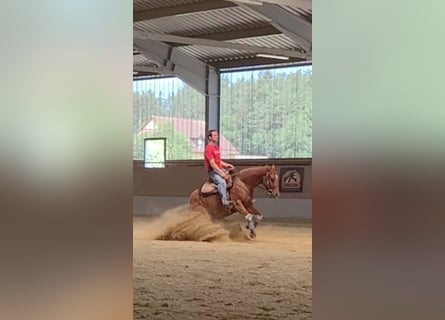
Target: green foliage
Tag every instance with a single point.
(187, 103)
(144, 105)
(269, 114)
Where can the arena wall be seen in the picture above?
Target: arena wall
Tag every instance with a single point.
(158, 189)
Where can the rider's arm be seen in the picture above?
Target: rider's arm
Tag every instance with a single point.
(216, 168)
(227, 165)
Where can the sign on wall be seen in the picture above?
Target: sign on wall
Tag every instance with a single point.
(291, 179)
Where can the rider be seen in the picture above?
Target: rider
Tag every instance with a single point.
(216, 167)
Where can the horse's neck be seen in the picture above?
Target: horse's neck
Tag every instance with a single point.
(252, 176)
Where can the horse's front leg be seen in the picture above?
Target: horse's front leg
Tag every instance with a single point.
(247, 215)
(257, 215)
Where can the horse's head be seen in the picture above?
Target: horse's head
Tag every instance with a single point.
(270, 182)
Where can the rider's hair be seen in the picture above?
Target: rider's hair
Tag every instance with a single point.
(209, 134)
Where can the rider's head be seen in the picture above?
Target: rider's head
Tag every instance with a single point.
(213, 136)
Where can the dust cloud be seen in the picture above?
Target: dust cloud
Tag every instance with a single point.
(181, 224)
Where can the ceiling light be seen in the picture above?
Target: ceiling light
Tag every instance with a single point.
(272, 56)
(255, 3)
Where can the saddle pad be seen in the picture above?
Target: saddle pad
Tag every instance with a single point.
(208, 187)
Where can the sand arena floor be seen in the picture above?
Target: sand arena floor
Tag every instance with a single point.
(225, 276)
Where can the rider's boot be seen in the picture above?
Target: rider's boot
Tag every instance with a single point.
(227, 203)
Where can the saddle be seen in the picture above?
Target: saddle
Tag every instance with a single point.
(208, 188)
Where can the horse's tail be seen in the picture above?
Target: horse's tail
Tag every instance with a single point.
(194, 199)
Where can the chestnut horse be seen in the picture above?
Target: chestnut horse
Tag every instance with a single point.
(240, 191)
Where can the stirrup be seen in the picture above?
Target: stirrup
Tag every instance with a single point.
(229, 203)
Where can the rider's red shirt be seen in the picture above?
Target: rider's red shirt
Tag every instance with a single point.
(211, 152)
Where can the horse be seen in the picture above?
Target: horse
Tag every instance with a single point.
(240, 191)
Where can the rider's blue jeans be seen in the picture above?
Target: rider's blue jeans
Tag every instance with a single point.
(221, 184)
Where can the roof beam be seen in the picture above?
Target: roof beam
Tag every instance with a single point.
(249, 62)
(244, 33)
(190, 69)
(303, 4)
(151, 70)
(295, 27)
(180, 9)
(215, 43)
(237, 34)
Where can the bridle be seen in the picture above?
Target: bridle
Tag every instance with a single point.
(267, 183)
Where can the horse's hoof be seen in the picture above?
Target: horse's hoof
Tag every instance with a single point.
(252, 235)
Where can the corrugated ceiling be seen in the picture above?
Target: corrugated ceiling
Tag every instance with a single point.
(237, 24)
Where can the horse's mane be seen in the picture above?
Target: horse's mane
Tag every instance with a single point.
(250, 176)
(251, 172)
(246, 170)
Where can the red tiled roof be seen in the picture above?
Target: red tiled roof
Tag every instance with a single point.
(193, 129)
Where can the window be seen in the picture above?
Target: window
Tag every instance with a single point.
(154, 152)
(267, 113)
